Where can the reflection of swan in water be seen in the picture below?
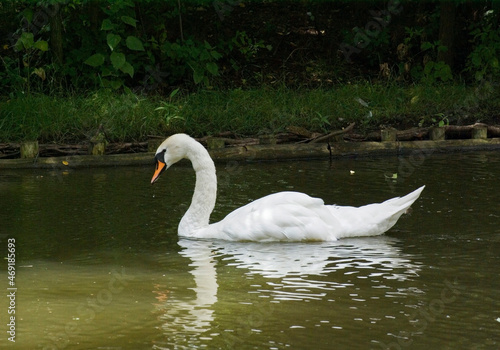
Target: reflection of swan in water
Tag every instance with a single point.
(288, 272)
(299, 259)
(186, 317)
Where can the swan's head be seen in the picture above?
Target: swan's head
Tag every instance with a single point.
(170, 152)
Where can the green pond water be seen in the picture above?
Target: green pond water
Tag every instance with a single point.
(99, 264)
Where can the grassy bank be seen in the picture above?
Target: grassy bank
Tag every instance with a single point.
(127, 117)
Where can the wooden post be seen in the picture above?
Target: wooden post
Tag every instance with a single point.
(437, 133)
(29, 149)
(215, 143)
(388, 134)
(98, 145)
(480, 132)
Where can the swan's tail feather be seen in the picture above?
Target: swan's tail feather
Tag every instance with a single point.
(373, 219)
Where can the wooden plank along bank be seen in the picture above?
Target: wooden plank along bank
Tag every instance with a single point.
(341, 143)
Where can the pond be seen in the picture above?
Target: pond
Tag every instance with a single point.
(99, 264)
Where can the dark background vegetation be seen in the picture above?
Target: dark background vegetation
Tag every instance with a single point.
(166, 51)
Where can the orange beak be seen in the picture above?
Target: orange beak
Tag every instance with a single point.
(160, 167)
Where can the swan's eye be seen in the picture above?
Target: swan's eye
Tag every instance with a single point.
(160, 156)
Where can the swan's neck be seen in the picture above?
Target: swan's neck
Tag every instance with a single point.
(205, 192)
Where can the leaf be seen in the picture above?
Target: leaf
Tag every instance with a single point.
(128, 69)
(198, 76)
(28, 14)
(494, 62)
(429, 66)
(426, 45)
(40, 72)
(392, 177)
(361, 102)
(117, 60)
(113, 40)
(212, 68)
(129, 20)
(173, 93)
(442, 48)
(41, 45)
(25, 41)
(476, 60)
(107, 25)
(95, 60)
(215, 54)
(134, 43)
(116, 84)
(204, 55)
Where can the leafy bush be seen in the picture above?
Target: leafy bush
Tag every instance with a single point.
(483, 60)
(190, 57)
(123, 50)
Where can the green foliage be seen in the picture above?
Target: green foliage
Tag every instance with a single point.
(130, 117)
(430, 71)
(435, 71)
(322, 122)
(438, 119)
(116, 62)
(483, 60)
(170, 111)
(31, 50)
(374, 45)
(244, 45)
(198, 58)
(152, 45)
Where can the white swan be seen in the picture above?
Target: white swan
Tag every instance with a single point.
(283, 216)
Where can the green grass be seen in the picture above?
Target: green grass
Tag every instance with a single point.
(76, 118)
(127, 117)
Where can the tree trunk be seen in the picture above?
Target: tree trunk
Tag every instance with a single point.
(495, 6)
(56, 36)
(447, 32)
(95, 13)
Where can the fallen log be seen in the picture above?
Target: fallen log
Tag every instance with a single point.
(9, 150)
(232, 142)
(412, 134)
(52, 150)
(334, 133)
(128, 147)
(494, 130)
(300, 131)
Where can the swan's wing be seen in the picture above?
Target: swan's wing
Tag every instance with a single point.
(372, 219)
(284, 216)
(294, 216)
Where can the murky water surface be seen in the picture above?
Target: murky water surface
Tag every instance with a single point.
(99, 264)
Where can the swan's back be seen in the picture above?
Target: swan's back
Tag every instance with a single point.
(294, 216)
(283, 216)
